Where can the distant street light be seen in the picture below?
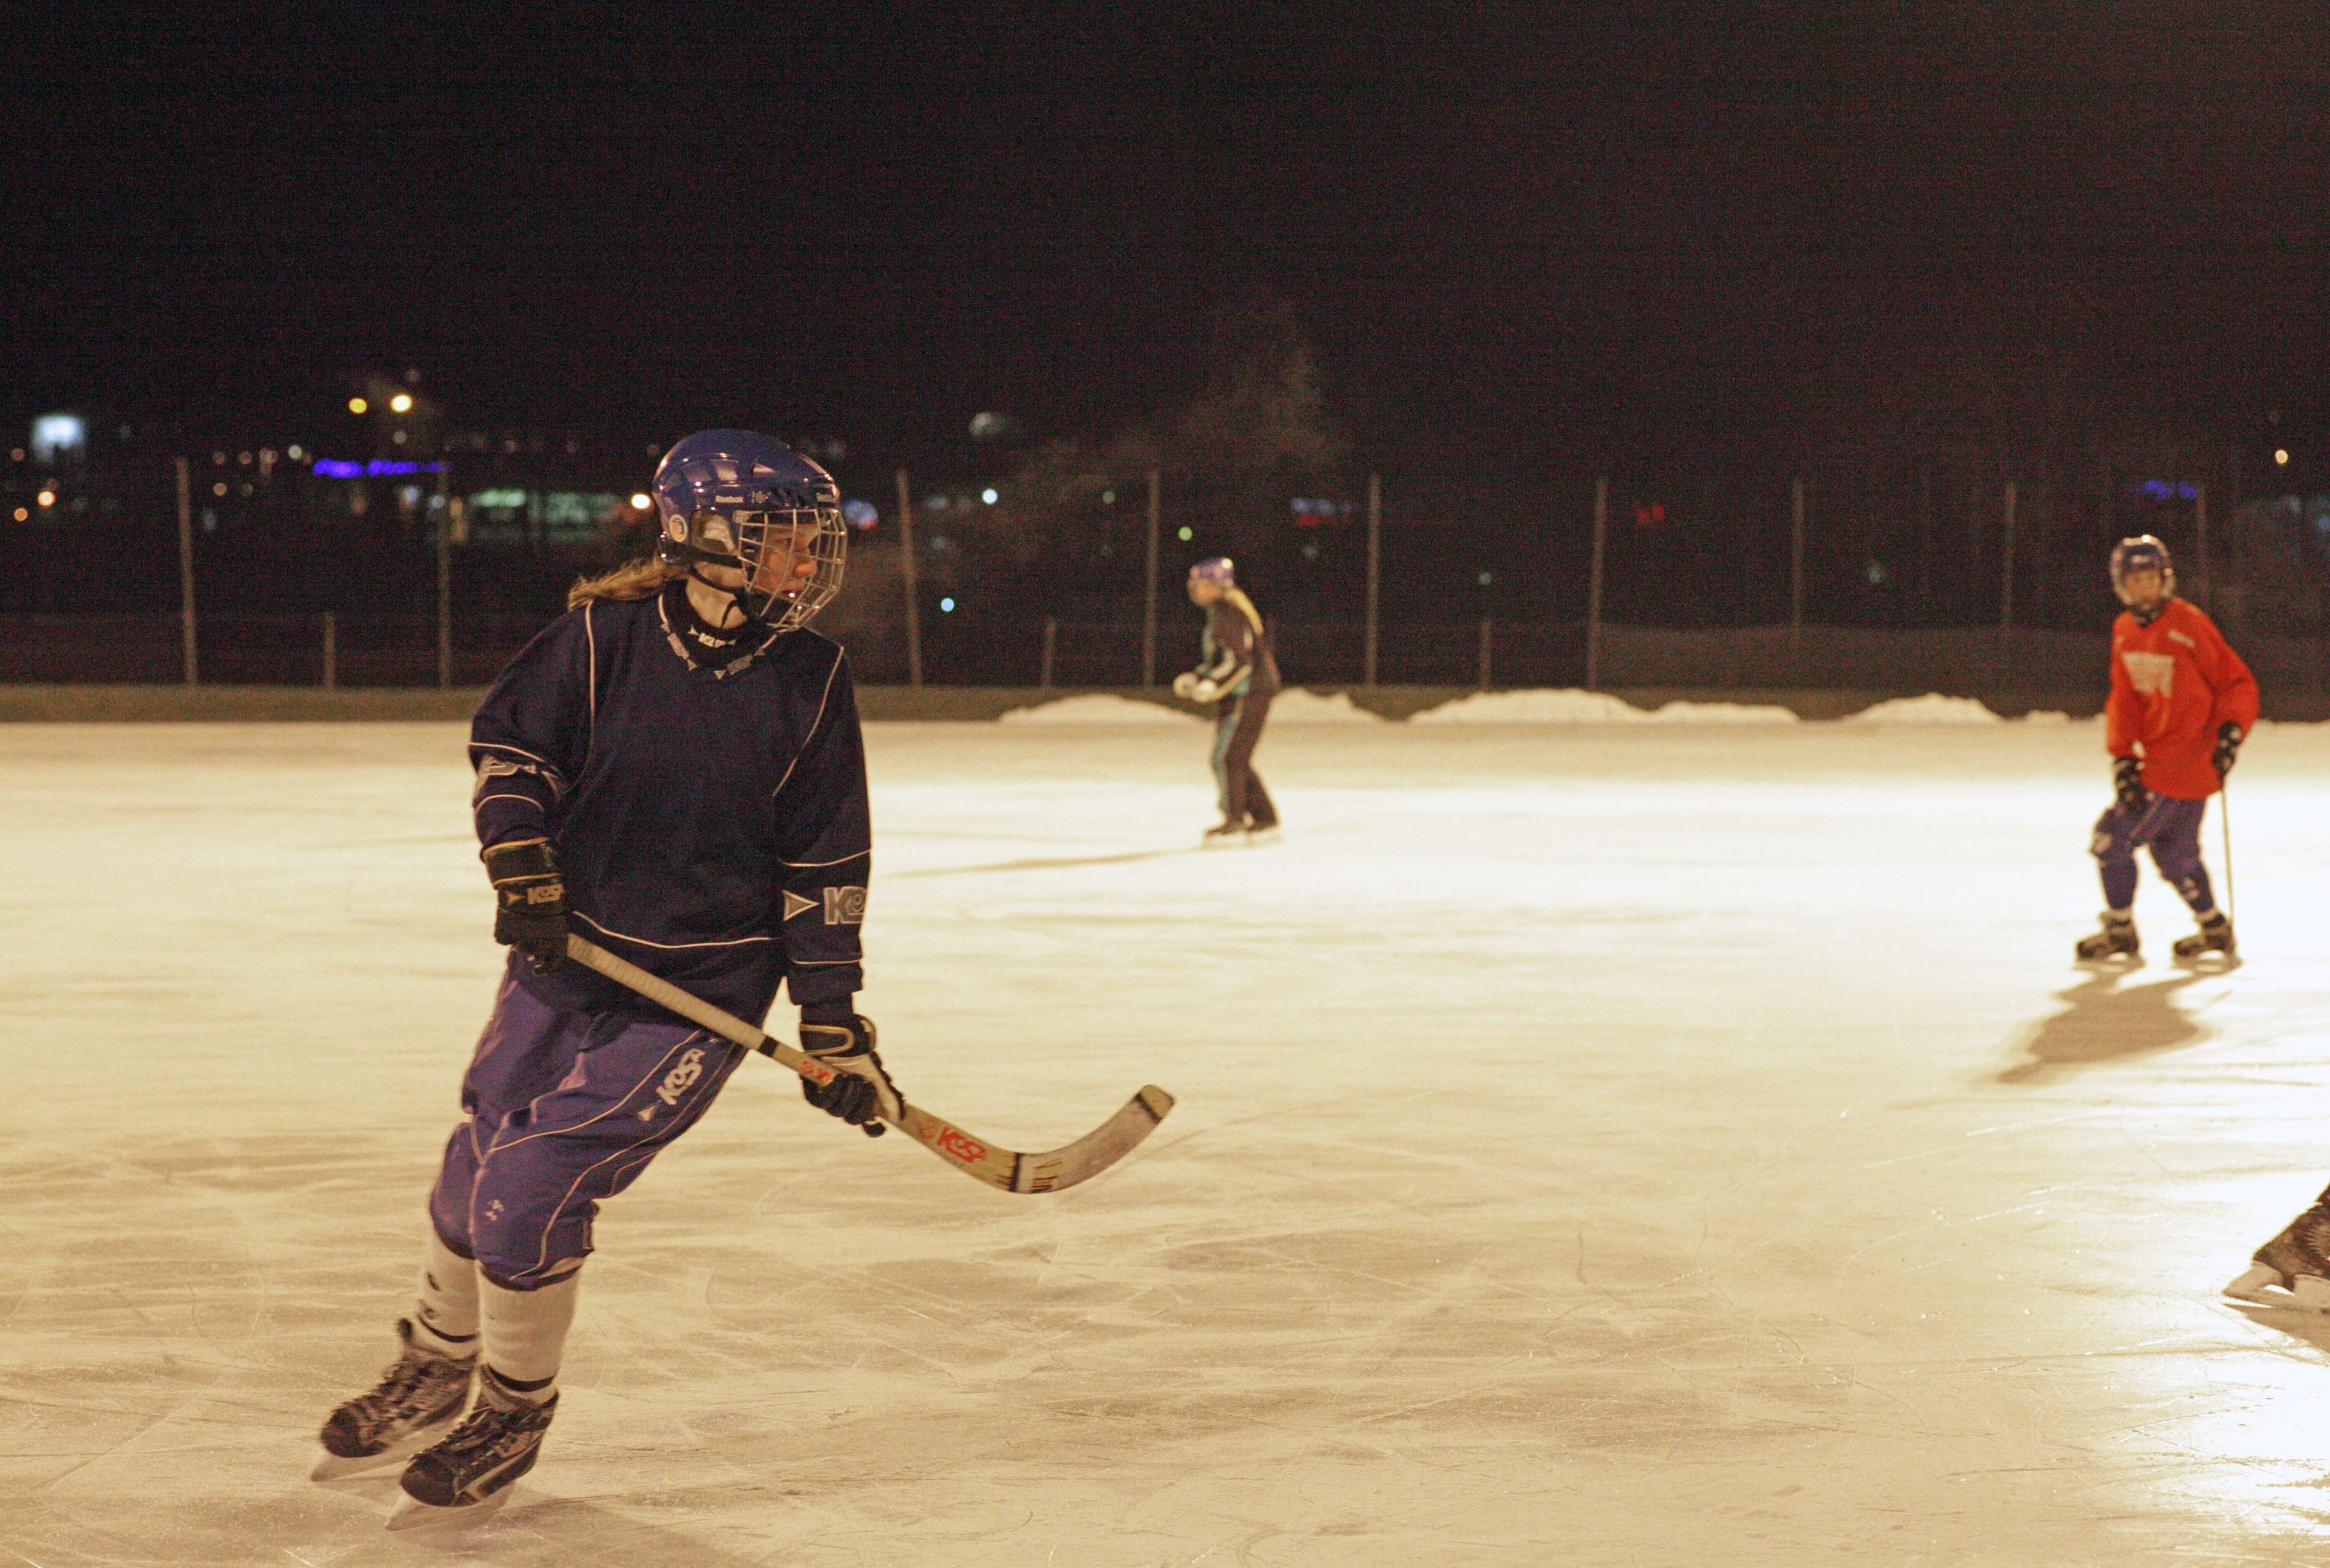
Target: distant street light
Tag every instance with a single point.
(47, 497)
(401, 403)
(2280, 455)
(987, 496)
(640, 503)
(358, 405)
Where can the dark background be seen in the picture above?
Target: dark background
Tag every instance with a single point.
(1700, 249)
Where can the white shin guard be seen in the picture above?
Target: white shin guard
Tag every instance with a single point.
(526, 1334)
(446, 1319)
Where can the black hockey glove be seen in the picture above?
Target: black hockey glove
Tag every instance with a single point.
(861, 1089)
(529, 900)
(2229, 748)
(2127, 784)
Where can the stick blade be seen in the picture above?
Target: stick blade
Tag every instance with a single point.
(1098, 1150)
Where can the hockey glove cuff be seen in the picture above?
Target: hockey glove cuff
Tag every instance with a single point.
(1184, 685)
(2127, 784)
(2229, 748)
(860, 1090)
(529, 900)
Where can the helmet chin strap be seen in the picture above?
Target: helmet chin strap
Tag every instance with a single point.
(734, 596)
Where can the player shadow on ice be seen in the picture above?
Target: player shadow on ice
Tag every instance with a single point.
(1039, 863)
(533, 1519)
(2106, 1021)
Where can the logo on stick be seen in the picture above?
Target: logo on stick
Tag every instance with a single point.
(957, 1145)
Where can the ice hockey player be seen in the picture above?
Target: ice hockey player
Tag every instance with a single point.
(1237, 674)
(2293, 1269)
(2182, 701)
(675, 766)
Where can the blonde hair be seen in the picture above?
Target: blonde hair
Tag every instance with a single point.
(633, 580)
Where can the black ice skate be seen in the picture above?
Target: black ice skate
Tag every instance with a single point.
(2293, 1269)
(421, 1392)
(467, 1474)
(2113, 945)
(2212, 943)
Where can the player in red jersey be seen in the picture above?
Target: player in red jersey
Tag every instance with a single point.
(2181, 703)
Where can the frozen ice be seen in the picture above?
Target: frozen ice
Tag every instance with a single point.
(1099, 708)
(1294, 705)
(1568, 705)
(1933, 708)
(1659, 1144)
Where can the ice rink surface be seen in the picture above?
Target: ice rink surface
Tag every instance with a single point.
(1631, 1145)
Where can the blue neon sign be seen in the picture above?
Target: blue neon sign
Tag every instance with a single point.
(378, 469)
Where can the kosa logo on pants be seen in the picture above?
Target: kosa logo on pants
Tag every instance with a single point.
(676, 1082)
(845, 906)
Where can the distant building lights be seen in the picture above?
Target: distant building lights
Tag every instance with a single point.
(859, 515)
(358, 406)
(244, 458)
(219, 488)
(58, 437)
(46, 497)
(401, 403)
(1486, 580)
(947, 605)
(378, 469)
(988, 496)
(1187, 534)
(1108, 498)
(2281, 455)
(22, 515)
(293, 452)
(641, 501)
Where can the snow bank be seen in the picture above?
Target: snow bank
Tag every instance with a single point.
(1571, 707)
(1933, 708)
(1294, 705)
(1098, 708)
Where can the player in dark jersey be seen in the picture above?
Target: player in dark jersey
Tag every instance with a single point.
(1238, 672)
(675, 767)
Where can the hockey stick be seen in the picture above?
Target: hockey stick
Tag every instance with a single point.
(997, 1166)
(2225, 820)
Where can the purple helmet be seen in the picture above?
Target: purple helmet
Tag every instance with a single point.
(1215, 569)
(2139, 553)
(741, 499)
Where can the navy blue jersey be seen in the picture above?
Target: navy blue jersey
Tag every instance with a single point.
(711, 822)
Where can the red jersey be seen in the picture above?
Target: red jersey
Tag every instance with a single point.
(2172, 684)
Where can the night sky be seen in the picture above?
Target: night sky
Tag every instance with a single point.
(1506, 237)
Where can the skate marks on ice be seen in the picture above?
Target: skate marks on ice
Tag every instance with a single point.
(2110, 1017)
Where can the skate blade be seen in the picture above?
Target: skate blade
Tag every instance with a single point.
(331, 1466)
(2264, 1287)
(2210, 963)
(2118, 964)
(1261, 837)
(412, 1514)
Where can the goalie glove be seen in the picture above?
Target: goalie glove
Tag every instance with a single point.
(861, 1089)
(529, 900)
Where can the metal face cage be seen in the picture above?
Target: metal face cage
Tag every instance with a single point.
(771, 547)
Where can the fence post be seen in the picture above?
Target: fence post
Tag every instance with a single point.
(1374, 568)
(1485, 653)
(1149, 595)
(1051, 638)
(444, 580)
(187, 573)
(1796, 581)
(2208, 586)
(331, 649)
(2007, 590)
(1594, 585)
(914, 596)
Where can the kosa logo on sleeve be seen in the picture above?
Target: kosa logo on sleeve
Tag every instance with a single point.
(845, 906)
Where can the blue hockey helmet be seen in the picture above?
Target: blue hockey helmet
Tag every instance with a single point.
(740, 499)
(2144, 551)
(1215, 569)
